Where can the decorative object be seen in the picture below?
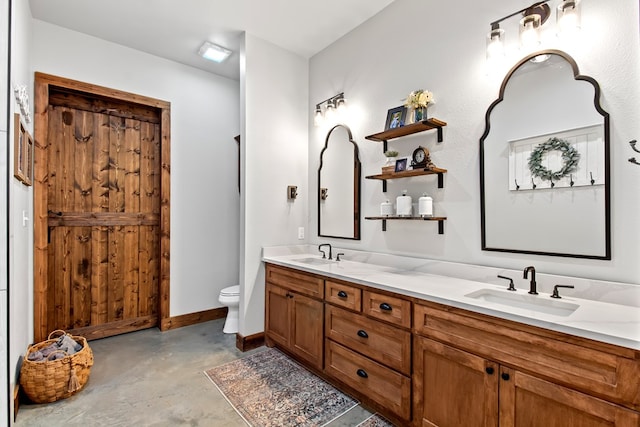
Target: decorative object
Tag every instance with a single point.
(386, 208)
(20, 92)
(335, 107)
(530, 26)
(421, 159)
(425, 206)
(403, 204)
(20, 151)
(401, 165)
(270, 389)
(633, 160)
(395, 118)
(570, 157)
(390, 164)
(419, 100)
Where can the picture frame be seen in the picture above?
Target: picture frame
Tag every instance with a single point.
(396, 117)
(28, 165)
(19, 149)
(401, 164)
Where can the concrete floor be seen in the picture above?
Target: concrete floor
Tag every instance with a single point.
(153, 378)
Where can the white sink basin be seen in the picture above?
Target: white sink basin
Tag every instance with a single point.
(315, 261)
(539, 303)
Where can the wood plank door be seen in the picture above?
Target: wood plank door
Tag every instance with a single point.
(102, 165)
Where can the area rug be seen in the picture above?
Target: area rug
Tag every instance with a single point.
(270, 389)
(375, 420)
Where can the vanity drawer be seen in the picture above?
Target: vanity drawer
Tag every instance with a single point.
(388, 308)
(342, 294)
(306, 284)
(599, 369)
(379, 383)
(384, 343)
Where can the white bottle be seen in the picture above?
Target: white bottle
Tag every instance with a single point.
(386, 208)
(403, 204)
(425, 206)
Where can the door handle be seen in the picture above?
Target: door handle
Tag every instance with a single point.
(362, 373)
(363, 334)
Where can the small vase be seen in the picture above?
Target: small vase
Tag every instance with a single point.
(419, 114)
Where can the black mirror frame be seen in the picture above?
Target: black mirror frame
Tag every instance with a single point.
(607, 160)
(356, 184)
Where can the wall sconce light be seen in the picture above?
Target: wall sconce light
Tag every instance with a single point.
(334, 108)
(533, 18)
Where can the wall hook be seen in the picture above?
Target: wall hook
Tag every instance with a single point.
(533, 184)
(517, 186)
(633, 160)
(633, 146)
(571, 182)
(593, 181)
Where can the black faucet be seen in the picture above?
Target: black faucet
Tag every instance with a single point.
(324, 255)
(532, 285)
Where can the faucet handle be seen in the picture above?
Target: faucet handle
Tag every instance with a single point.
(338, 256)
(511, 285)
(555, 293)
(324, 255)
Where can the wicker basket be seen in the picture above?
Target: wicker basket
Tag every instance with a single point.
(48, 381)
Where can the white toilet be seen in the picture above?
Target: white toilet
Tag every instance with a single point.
(230, 297)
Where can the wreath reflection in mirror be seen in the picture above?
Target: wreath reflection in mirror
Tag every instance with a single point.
(570, 158)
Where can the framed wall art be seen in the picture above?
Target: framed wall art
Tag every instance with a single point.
(22, 152)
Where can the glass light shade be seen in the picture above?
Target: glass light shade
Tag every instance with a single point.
(330, 112)
(530, 31)
(318, 117)
(495, 44)
(341, 106)
(568, 17)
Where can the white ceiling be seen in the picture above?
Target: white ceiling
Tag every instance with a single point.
(175, 29)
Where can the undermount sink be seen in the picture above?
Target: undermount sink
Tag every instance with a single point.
(537, 303)
(315, 261)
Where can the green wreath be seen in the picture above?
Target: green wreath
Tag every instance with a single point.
(570, 157)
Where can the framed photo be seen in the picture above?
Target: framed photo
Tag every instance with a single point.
(395, 117)
(401, 165)
(19, 149)
(28, 164)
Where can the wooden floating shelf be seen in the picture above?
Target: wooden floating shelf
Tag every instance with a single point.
(409, 173)
(440, 219)
(421, 126)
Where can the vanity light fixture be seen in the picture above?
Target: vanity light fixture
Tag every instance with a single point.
(530, 25)
(214, 52)
(334, 107)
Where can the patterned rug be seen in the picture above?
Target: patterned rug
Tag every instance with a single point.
(270, 389)
(375, 420)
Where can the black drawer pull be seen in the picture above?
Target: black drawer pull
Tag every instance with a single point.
(386, 307)
(489, 370)
(505, 376)
(363, 334)
(342, 294)
(362, 373)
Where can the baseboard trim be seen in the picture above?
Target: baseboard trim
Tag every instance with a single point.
(193, 318)
(249, 342)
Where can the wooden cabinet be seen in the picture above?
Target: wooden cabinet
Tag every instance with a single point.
(505, 373)
(293, 320)
(454, 388)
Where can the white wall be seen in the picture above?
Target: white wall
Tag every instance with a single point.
(4, 234)
(440, 46)
(274, 93)
(20, 200)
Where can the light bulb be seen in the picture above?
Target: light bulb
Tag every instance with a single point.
(530, 31)
(330, 112)
(318, 119)
(568, 17)
(495, 43)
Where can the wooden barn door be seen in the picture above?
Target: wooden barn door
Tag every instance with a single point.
(102, 166)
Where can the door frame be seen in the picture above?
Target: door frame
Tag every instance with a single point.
(42, 84)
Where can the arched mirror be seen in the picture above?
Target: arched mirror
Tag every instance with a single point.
(544, 162)
(339, 186)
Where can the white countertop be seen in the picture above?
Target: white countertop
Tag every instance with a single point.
(613, 323)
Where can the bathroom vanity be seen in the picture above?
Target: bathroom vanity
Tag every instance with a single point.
(425, 349)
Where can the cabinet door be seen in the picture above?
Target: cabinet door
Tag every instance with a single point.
(277, 315)
(453, 388)
(307, 328)
(532, 402)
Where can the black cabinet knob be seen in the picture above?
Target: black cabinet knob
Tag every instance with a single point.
(489, 370)
(505, 376)
(342, 294)
(362, 373)
(386, 307)
(363, 334)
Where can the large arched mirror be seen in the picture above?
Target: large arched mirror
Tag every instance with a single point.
(544, 162)
(339, 186)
